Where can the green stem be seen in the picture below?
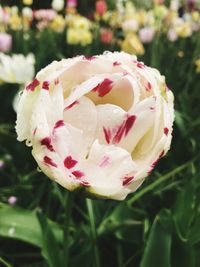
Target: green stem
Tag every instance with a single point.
(93, 232)
(68, 209)
(160, 180)
(5, 263)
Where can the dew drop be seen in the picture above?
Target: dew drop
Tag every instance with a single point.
(38, 169)
(28, 143)
(106, 52)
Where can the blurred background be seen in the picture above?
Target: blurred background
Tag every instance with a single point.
(159, 225)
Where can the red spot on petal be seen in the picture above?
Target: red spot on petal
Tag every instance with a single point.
(56, 82)
(152, 108)
(166, 131)
(78, 174)
(116, 63)
(125, 73)
(47, 142)
(49, 161)
(156, 162)
(34, 132)
(107, 134)
(140, 65)
(31, 86)
(105, 161)
(69, 162)
(84, 183)
(124, 128)
(59, 124)
(129, 123)
(89, 58)
(104, 88)
(148, 86)
(72, 104)
(45, 85)
(127, 180)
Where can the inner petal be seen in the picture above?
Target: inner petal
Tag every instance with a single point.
(116, 90)
(82, 114)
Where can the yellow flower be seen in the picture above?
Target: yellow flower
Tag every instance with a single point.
(15, 22)
(197, 63)
(132, 45)
(195, 16)
(81, 23)
(57, 24)
(141, 17)
(85, 38)
(72, 36)
(27, 2)
(160, 11)
(183, 30)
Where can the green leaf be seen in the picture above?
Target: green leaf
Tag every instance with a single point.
(157, 250)
(50, 246)
(21, 224)
(184, 211)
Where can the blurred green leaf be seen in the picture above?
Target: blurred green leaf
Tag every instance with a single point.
(184, 210)
(50, 246)
(157, 250)
(17, 223)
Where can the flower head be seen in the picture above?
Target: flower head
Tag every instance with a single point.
(99, 122)
(17, 68)
(5, 42)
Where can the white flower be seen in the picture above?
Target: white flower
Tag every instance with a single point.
(58, 5)
(99, 122)
(27, 12)
(16, 68)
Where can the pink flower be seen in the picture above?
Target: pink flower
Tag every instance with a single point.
(12, 200)
(45, 14)
(101, 7)
(106, 36)
(172, 35)
(5, 42)
(71, 3)
(146, 34)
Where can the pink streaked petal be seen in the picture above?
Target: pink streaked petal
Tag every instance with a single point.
(116, 63)
(127, 180)
(59, 124)
(69, 162)
(124, 128)
(76, 102)
(140, 65)
(84, 183)
(49, 161)
(166, 131)
(47, 142)
(107, 134)
(148, 86)
(78, 174)
(105, 161)
(45, 85)
(103, 88)
(31, 86)
(89, 58)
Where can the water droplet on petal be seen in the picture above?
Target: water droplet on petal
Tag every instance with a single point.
(28, 143)
(38, 169)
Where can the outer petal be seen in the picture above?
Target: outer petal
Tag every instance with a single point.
(105, 169)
